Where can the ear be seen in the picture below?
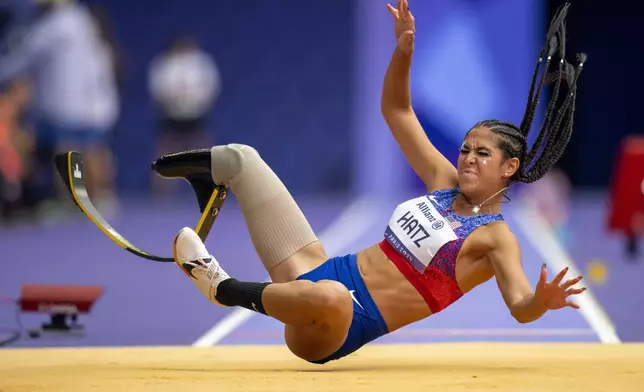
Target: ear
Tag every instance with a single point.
(509, 167)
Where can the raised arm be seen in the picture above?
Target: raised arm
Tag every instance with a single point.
(524, 304)
(428, 163)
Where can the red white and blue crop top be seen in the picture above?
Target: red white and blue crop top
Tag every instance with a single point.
(423, 239)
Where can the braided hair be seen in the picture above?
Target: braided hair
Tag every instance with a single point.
(557, 126)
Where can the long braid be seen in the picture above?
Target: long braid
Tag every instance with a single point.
(548, 48)
(526, 124)
(552, 138)
(557, 76)
(556, 145)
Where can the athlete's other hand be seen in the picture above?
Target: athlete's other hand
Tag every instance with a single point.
(404, 26)
(554, 295)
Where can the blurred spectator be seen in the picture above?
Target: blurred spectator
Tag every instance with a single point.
(103, 24)
(184, 82)
(75, 94)
(15, 148)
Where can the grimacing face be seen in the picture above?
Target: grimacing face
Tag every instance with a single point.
(482, 167)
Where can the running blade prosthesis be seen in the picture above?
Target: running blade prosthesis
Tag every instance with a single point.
(192, 166)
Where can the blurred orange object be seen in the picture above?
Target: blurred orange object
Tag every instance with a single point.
(10, 160)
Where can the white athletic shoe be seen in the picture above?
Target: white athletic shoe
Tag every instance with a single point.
(202, 268)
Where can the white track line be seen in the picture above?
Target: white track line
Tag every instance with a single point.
(353, 222)
(536, 230)
(273, 334)
(422, 332)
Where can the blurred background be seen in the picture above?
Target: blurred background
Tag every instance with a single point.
(125, 82)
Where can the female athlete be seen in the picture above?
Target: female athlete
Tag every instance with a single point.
(436, 247)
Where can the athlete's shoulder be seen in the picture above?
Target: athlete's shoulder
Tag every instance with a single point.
(500, 235)
(441, 191)
(442, 195)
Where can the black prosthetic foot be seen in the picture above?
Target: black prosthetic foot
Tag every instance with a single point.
(192, 166)
(183, 164)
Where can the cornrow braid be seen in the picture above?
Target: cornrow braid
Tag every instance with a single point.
(511, 141)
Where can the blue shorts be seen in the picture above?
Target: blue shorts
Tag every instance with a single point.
(367, 323)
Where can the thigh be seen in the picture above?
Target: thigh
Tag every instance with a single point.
(301, 262)
(356, 323)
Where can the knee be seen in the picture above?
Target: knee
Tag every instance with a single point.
(332, 299)
(228, 161)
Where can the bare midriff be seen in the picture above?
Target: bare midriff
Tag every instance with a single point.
(399, 302)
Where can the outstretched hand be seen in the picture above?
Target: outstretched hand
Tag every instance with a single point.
(554, 295)
(404, 25)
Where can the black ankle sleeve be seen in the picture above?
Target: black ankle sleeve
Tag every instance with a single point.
(232, 292)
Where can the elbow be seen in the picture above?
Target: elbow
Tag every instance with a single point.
(393, 103)
(387, 106)
(392, 111)
(386, 111)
